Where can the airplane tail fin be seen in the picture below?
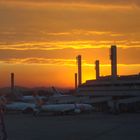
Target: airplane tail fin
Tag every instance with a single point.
(56, 92)
(3, 100)
(38, 100)
(17, 94)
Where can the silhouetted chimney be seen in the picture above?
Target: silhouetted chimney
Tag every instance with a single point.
(12, 82)
(76, 80)
(113, 57)
(97, 68)
(79, 69)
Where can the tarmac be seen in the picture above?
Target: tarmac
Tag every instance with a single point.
(94, 126)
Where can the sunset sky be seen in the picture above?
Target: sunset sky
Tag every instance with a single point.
(40, 39)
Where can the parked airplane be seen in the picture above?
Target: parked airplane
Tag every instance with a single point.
(39, 106)
(62, 108)
(21, 106)
(125, 105)
(17, 106)
(31, 99)
(59, 98)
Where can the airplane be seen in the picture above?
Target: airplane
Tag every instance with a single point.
(27, 98)
(62, 108)
(21, 106)
(59, 98)
(17, 106)
(40, 105)
(124, 105)
(30, 98)
(57, 93)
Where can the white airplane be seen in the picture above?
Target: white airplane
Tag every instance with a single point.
(39, 106)
(62, 108)
(31, 99)
(21, 106)
(59, 98)
(26, 98)
(17, 106)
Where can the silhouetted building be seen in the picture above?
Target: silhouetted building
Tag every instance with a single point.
(12, 82)
(113, 84)
(113, 58)
(97, 68)
(79, 59)
(113, 93)
(76, 81)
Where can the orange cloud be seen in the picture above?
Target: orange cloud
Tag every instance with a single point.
(42, 61)
(79, 3)
(36, 36)
(58, 45)
(59, 62)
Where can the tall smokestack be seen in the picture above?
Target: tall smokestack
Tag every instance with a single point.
(97, 68)
(76, 80)
(113, 57)
(12, 83)
(79, 69)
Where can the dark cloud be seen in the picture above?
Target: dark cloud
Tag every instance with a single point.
(83, 1)
(31, 25)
